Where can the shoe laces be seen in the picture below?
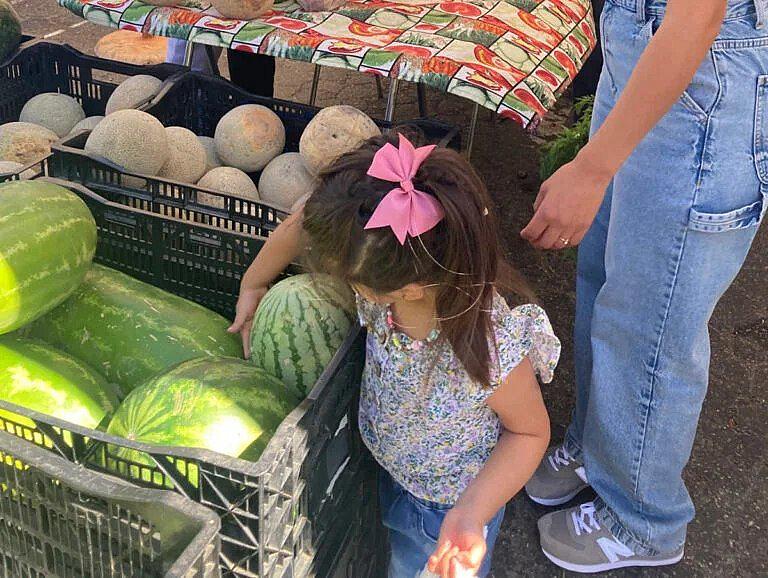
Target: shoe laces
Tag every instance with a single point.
(584, 521)
(560, 457)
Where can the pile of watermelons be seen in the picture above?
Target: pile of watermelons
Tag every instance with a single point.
(96, 347)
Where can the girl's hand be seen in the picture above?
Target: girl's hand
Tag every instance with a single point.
(567, 204)
(461, 546)
(247, 303)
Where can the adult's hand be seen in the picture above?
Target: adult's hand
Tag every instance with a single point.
(566, 205)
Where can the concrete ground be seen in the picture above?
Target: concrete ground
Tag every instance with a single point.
(728, 472)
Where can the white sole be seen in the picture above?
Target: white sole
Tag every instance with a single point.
(558, 501)
(593, 568)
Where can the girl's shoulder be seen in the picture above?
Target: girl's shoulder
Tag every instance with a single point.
(520, 332)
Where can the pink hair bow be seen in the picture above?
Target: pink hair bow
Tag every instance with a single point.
(404, 209)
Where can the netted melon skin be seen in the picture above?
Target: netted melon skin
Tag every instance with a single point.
(54, 111)
(285, 180)
(248, 137)
(133, 92)
(186, 156)
(25, 143)
(227, 180)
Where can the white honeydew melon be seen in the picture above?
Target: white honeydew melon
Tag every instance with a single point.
(88, 123)
(24, 142)
(186, 156)
(242, 9)
(212, 159)
(249, 136)
(133, 92)
(334, 131)
(285, 180)
(8, 167)
(131, 139)
(54, 111)
(226, 180)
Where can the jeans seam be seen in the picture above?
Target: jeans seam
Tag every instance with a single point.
(678, 259)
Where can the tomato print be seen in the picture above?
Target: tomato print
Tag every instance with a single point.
(217, 24)
(547, 77)
(512, 115)
(460, 8)
(529, 99)
(417, 51)
(287, 23)
(566, 62)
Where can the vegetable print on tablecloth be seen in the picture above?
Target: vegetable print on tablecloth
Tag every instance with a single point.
(512, 56)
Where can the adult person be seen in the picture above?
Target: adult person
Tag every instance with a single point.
(585, 83)
(665, 201)
(254, 73)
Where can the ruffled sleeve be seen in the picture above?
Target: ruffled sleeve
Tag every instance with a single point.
(525, 331)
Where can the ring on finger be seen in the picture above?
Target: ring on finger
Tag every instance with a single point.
(564, 241)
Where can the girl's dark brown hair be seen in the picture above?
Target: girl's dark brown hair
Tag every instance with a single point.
(461, 256)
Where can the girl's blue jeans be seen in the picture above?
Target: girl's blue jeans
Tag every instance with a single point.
(414, 527)
(675, 227)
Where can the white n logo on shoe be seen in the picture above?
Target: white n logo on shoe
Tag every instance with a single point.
(613, 549)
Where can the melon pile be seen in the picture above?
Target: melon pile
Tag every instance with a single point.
(50, 116)
(91, 345)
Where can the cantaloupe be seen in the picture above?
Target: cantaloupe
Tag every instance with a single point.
(334, 131)
(285, 180)
(10, 29)
(8, 167)
(227, 180)
(134, 92)
(212, 159)
(186, 156)
(249, 136)
(132, 139)
(88, 123)
(56, 112)
(25, 143)
(242, 9)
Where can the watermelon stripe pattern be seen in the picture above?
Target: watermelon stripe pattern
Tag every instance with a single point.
(221, 404)
(47, 242)
(43, 379)
(132, 331)
(298, 328)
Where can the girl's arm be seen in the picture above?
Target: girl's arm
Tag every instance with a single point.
(523, 441)
(282, 248)
(569, 200)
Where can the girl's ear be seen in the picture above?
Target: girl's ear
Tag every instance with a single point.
(412, 292)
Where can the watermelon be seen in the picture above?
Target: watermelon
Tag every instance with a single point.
(10, 28)
(41, 378)
(221, 404)
(131, 331)
(299, 326)
(47, 241)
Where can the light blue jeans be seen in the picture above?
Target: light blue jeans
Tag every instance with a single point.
(414, 527)
(674, 230)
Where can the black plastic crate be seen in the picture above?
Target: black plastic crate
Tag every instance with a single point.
(38, 66)
(308, 507)
(165, 197)
(59, 520)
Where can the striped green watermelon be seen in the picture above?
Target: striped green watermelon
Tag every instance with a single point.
(130, 330)
(41, 378)
(47, 241)
(299, 326)
(221, 404)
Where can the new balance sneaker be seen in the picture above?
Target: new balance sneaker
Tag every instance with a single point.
(573, 539)
(558, 479)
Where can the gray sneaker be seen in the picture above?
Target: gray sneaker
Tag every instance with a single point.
(558, 478)
(573, 539)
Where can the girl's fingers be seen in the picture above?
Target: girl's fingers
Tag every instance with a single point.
(245, 335)
(444, 567)
(434, 559)
(549, 239)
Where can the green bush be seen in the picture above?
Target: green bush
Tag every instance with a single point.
(564, 148)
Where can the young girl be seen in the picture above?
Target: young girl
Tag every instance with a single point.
(450, 406)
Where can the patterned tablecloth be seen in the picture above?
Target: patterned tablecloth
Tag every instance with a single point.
(512, 56)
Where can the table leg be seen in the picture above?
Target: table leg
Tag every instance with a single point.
(315, 83)
(472, 128)
(389, 112)
(188, 50)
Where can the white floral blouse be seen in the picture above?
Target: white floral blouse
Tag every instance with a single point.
(423, 417)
